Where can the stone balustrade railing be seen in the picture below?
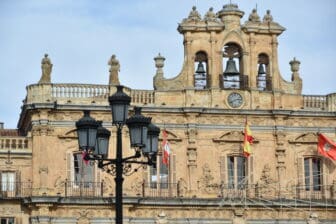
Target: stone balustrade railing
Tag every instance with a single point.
(79, 91)
(13, 143)
(88, 93)
(41, 93)
(315, 102)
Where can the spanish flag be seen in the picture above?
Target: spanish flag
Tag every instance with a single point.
(248, 140)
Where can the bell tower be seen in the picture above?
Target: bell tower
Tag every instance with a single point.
(221, 53)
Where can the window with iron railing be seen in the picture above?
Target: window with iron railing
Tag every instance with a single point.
(83, 172)
(236, 172)
(312, 174)
(159, 175)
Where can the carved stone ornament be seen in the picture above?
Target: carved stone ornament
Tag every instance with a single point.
(136, 186)
(191, 133)
(161, 218)
(42, 130)
(307, 138)
(192, 156)
(182, 187)
(266, 186)
(206, 181)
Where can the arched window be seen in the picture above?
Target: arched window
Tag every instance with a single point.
(201, 70)
(233, 77)
(263, 77)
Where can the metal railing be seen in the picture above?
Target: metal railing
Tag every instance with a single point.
(84, 189)
(160, 190)
(15, 189)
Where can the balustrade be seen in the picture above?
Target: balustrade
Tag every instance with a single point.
(13, 143)
(315, 102)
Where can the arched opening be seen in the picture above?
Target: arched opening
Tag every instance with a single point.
(233, 77)
(201, 70)
(264, 81)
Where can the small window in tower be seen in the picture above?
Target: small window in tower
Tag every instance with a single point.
(263, 76)
(201, 67)
(233, 77)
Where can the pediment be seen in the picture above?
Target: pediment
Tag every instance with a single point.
(232, 136)
(306, 138)
(172, 137)
(69, 134)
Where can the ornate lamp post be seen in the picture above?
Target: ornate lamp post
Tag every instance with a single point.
(93, 139)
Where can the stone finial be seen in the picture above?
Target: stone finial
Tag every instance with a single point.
(114, 70)
(158, 78)
(194, 15)
(295, 65)
(210, 16)
(254, 17)
(159, 61)
(268, 17)
(46, 70)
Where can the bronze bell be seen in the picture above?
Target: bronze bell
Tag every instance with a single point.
(200, 68)
(230, 69)
(261, 69)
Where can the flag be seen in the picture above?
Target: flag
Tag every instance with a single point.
(165, 148)
(326, 147)
(248, 140)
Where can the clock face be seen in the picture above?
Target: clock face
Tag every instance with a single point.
(235, 100)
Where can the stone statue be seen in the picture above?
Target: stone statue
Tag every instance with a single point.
(114, 71)
(254, 17)
(268, 17)
(194, 15)
(46, 70)
(210, 16)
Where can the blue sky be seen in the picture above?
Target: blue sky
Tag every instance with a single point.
(80, 36)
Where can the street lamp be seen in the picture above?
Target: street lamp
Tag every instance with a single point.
(93, 139)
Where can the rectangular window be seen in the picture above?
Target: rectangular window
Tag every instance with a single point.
(7, 220)
(159, 175)
(83, 173)
(7, 181)
(236, 172)
(313, 175)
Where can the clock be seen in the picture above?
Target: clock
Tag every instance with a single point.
(235, 100)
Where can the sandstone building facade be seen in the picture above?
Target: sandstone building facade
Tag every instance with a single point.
(230, 75)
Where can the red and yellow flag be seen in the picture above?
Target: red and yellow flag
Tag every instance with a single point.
(248, 140)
